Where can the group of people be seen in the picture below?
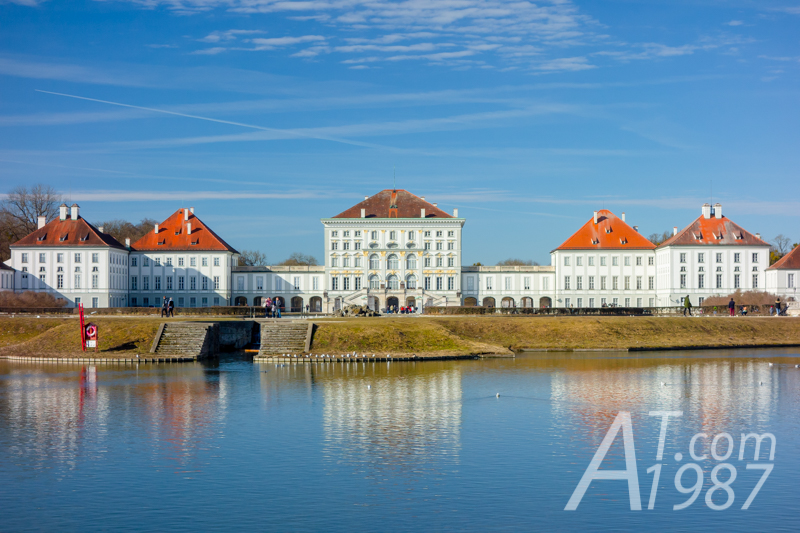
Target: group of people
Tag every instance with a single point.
(403, 310)
(168, 308)
(779, 309)
(272, 308)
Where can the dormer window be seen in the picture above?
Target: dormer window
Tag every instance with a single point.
(177, 232)
(195, 243)
(63, 237)
(595, 241)
(162, 242)
(85, 238)
(608, 229)
(623, 240)
(42, 237)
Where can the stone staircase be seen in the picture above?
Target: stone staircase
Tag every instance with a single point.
(284, 336)
(187, 339)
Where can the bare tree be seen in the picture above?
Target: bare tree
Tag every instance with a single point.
(20, 211)
(658, 238)
(252, 258)
(781, 243)
(122, 229)
(300, 259)
(517, 262)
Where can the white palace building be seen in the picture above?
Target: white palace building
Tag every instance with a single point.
(395, 249)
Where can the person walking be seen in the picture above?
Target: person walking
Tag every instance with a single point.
(687, 306)
(732, 307)
(778, 306)
(171, 308)
(164, 309)
(267, 307)
(277, 303)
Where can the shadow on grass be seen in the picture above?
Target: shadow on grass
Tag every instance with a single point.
(122, 347)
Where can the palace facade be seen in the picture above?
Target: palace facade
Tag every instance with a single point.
(395, 249)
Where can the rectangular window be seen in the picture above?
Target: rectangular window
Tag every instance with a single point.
(357, 284)
(77, 258)
(451, 245)
(427, 246)
(133, 261)
(59, 257)
(169, 283)
(719, 258)
(157, 283)
(346, 283)
(527, 283)
(545, 284)
(334, 283)
(94, 281)
(168, 261)
(95, 302)
(42, 258)
(392, 235)
(157, 261)
(439, 261)
(180, 261)
(259, 283)
(566, 283)
(146, 283)
(346, 245)
(615, 301)
(627, 261)
(719, 281)
(427, 283)
(193, 283)
(603, 283)
(240, 283)
(591, 263)
(790, 281)
(278, 283)
(451, 261)
(638, 260)
(439, 245)
(216, 282)
(216, 261)
(334, 245)
(755, 258)
(470, 283)
(204, 262)
(603, 261)
(566, 260)
(638, 283)
(683, 281)
(334, 233)
(439, 234)
(216, 300)
(614, 283)
(638, 302)
(602, 302)
(438, 283)
(192, 302)
(579, 261)
(755, 281)
(701, 281)
(451, 233)
(736, 257)
(701, 258)
(651, 300)
(651, 282)
(591, 285)
(615, 261)
(427, 261)
(579, 283)
(134, 284)
(627, 302)
(627, 282)
(134, 301)
(60, 281)
(567, 302)
(315, 283)
(193, 261)
(580, 302)
(591, 302)
(683, 258)
(508, 283)
(181, 283)
(650, 261)
(77, 281)
(451, 283)
(736, 283)
(489, 283)
(358, 245)
(145, 261)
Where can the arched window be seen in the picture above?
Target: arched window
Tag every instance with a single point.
(411, 282)
(394, 264)
(374, 282)
(393, 282)
(411, 262)
(374, 262)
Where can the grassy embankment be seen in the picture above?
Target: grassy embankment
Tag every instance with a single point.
(431, 336)
(475, 335)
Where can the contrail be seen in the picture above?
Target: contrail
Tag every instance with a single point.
(209, 119)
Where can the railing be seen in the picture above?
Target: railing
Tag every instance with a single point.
(555, 311)
(37, 310)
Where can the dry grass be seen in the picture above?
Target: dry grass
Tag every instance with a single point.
(61, 337)
(498, 334)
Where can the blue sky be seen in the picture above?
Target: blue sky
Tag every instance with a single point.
(268, 115)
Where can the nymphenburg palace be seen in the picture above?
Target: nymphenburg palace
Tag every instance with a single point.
(395, 249)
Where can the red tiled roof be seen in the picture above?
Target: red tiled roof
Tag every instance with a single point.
(407, 206)
(713, 231)
(172, 235)
(790, 261)
(68, 232)
(610, 233)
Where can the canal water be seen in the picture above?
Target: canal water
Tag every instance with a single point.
(399, 446)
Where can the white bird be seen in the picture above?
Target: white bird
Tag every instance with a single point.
(662, 383)
(369, 386)
(770, 364)
(497, 395)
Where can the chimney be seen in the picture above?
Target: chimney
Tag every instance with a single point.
(422, 213)
(191, 210)
(718, 210)
(435, 205)
(40, 221)
(623, 216)
(706, 210)
(188, 228)
(758, 236)
(127, 242)
(455, 212)
(363, 213)
(74, 210)
(366, 198)
(422, 198)
(186, 213)
(62, 212)
(100, 229)
(674, 230)
(636, 229)
(595, 217)
(156, 228)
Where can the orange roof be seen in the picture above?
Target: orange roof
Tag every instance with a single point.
(790, 261)
(391, 203)
(713, 230)
(610, 233)
(173, 235)
(68, 232)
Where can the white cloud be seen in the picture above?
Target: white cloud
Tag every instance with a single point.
(29, 3)
(210, 51)
(228, 35)
(279, 42)
(734, 23)
(565, 64)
